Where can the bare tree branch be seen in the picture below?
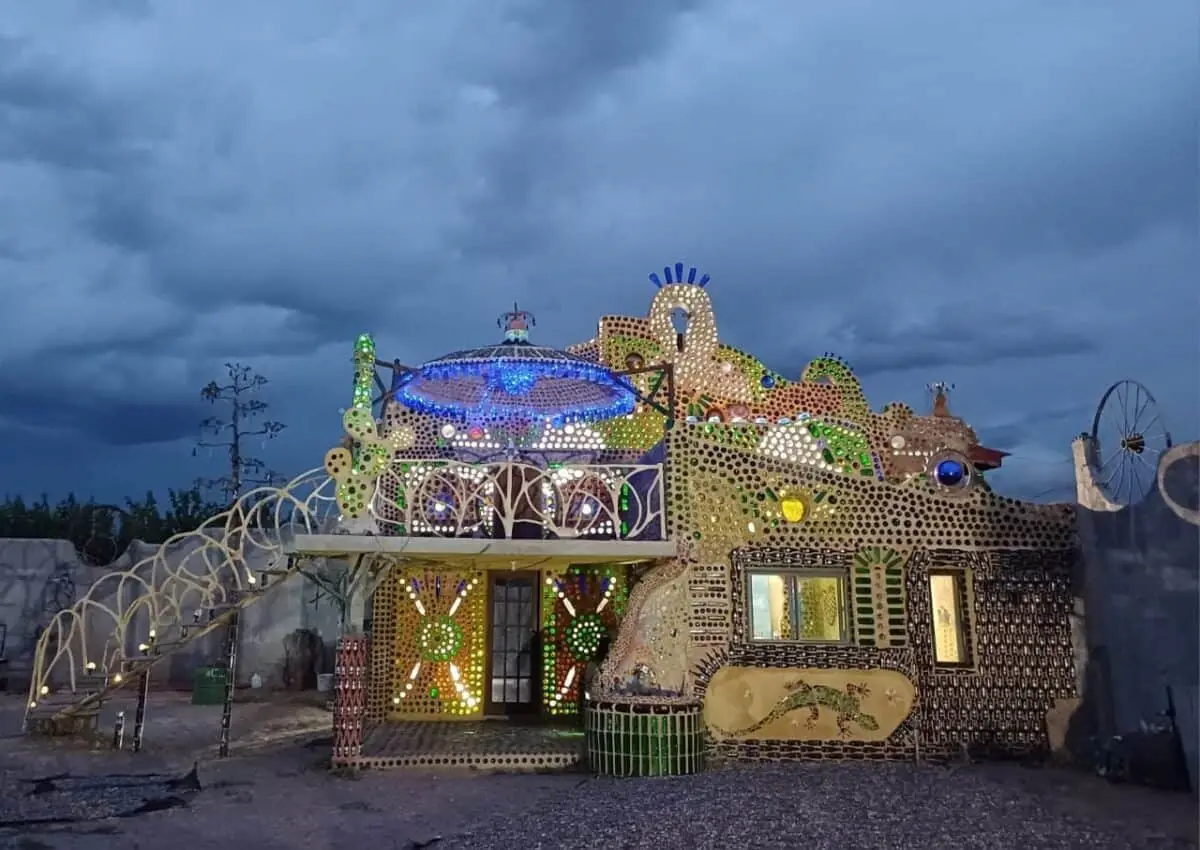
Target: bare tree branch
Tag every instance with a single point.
(245, 471)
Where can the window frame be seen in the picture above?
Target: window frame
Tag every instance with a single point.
(790, 576)
(963, 599)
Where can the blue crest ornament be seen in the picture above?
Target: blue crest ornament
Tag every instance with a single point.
(676, 275)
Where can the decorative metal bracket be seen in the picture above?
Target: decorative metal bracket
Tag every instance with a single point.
(663, 382)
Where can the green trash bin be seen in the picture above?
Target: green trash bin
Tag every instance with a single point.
(631, 738)
(208, 686)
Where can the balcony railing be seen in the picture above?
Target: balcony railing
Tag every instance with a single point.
(444, 498)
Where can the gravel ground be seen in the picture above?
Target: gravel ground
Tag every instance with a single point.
(280, 796)
(858, 805)
(41, 802)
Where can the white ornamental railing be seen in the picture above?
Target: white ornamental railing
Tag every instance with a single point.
(511, 499)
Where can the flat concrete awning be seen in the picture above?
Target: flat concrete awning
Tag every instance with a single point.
(521, 554)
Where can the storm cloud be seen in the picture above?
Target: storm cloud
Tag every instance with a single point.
(997, 194)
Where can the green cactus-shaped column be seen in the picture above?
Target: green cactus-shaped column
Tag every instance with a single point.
(364, 370)
(364, 383)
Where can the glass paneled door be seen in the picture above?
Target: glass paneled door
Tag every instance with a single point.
(513, 658)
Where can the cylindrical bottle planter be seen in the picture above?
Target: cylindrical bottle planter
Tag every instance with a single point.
(634, 738)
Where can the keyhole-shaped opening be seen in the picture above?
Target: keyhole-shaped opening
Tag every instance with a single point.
(679, 320)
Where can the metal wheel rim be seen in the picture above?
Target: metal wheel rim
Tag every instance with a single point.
(1135, 438)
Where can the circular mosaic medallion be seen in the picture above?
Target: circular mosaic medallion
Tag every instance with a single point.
(583, 636)
(439, 639)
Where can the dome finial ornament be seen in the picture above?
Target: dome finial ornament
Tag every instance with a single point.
(940, 390)
(516, 324)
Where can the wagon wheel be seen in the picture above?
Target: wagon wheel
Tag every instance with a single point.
(1129, 437)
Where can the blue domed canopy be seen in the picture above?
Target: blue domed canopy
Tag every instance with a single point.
(515, 380)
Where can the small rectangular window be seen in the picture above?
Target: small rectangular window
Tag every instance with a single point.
(947, 593)
(806, 606)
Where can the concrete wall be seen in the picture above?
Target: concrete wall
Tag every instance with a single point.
(37, 576)
(1141, 592)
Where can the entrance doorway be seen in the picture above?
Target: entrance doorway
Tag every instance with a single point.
(514, 667)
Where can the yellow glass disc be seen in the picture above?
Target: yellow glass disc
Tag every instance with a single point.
(793, 508)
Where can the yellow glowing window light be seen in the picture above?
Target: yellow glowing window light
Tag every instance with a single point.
(821, 604)
(768, 607)
(948, 622)
(793, 606)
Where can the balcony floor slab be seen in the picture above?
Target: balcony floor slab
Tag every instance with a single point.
(500, 553)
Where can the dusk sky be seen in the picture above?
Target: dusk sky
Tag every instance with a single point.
(1002, 195)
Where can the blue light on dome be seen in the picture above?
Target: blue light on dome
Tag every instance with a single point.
(949, 473)
(515, 381)
(491, 389)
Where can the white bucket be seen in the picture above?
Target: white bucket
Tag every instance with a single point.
(324, 683)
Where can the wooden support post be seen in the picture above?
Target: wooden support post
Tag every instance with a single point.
(119, 731)
(231, 642)
(139, 718)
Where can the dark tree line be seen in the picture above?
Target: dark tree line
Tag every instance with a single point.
(100, 532)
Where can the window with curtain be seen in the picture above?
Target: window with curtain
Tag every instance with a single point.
(798, 605)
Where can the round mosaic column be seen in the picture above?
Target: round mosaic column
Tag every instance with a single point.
(350, 699)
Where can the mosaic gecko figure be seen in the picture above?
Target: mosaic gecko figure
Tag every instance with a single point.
(847, 704)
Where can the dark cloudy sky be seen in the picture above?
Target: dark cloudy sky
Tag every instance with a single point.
(997, 194)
